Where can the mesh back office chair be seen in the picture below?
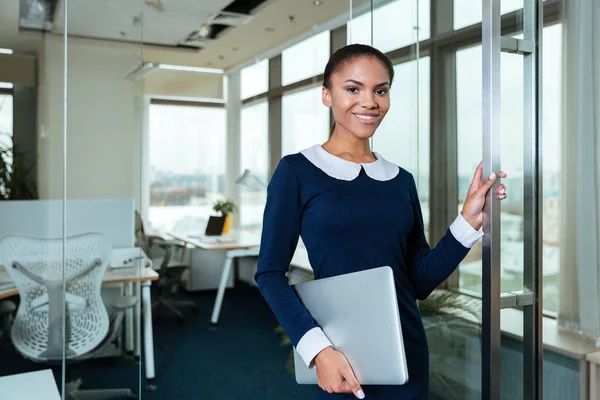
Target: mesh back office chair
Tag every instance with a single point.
(36, 267)
(169, 270)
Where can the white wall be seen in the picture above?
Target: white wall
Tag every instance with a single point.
(103, 121)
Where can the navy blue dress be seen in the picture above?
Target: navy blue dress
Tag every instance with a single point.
(348, 226)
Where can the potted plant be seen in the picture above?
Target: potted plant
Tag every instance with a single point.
(227, 208)
(14, 175)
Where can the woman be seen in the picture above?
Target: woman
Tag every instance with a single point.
(355, 211)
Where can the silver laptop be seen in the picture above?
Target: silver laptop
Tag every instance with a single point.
(358, 312)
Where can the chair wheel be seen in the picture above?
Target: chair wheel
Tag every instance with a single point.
(195, 309)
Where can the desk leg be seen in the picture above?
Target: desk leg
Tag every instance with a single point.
(222, 285)
(593, 382)
(148, 335)
(138, 322)
(129, 317)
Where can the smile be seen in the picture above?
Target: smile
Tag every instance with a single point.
(366, 119)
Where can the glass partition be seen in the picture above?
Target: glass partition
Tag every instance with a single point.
(106, 273)
(31, 191)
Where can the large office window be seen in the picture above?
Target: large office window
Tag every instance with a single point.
(403, 136)
(305, 59)
(187, 158)
(468, 82)
(6, 119)
(468, 12)
(255, 164)
(305, 120)
(6, 142)
(395, 25)
(255, 79)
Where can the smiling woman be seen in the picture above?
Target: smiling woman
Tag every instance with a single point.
(333, 194)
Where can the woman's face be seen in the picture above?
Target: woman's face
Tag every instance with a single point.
(359, 96)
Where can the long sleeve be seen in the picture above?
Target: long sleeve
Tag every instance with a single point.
(427, 267)
(280, 233)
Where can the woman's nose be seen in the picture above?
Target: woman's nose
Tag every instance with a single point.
(367, 100)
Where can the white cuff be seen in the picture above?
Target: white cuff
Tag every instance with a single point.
(311, 344)
(464, 232)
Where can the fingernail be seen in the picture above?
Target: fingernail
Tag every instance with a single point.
(492, 176)
(360, 394)
(502, 191)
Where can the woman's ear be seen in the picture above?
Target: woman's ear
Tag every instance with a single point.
(326, 97)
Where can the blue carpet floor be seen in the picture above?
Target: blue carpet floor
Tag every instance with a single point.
(241, 359)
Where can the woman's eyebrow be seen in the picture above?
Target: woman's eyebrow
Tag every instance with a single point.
(361, 84)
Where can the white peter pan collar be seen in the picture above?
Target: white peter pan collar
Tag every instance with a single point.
(338, 168)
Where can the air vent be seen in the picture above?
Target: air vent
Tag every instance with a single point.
(37, 14)
(230, 19)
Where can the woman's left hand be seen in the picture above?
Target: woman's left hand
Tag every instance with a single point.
(472, 209)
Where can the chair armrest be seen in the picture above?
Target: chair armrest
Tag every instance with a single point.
(124, 302)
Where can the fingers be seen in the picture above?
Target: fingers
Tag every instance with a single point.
(352, 383)
(476, 178)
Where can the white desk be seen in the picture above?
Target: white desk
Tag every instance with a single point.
(241, 244)
(38, 385)
(236, 244)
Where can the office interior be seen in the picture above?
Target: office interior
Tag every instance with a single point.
(124, 123)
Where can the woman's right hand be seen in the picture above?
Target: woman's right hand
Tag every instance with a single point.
(335, 375)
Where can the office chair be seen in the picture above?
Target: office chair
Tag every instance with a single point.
(36, 267)
(169, 270)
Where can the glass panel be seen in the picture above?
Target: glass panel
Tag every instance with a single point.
(409, 146)
(552, 123)
(394, 25)
(468, 76)
(305, 59)
(32, 180)
(255, 79)
(467, 12)
(103, 271)
(255, 169)
(305, 121)
(186, 146)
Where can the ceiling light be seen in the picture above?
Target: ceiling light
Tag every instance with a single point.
(317, 3)
(205, 31)
(6, 51)
(6, 85)
(185, 68)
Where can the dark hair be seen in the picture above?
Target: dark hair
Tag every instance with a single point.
(343, 56)
(340, 58)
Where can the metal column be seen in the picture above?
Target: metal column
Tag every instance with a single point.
(491, 45)
(530, 298)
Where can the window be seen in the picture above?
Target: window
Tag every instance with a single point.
(255, 79)
(469, 12)
(468, 96)
(395, 25)
(552, 123)
(305, 121)
(408, 146)
(187, 157)
(6, 120)
(305, 59)
(255, 161)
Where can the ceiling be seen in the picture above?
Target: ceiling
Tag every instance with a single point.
(168, 23)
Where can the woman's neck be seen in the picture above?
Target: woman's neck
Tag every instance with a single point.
(349, 147)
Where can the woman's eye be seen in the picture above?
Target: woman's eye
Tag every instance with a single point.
(352, 90)
(381, 92)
